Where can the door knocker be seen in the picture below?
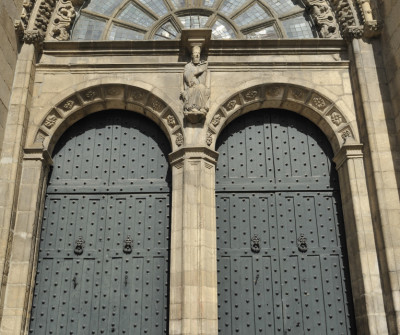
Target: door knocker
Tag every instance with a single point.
(128, 245)
(302, 243)
(255, 244)
(79, 245)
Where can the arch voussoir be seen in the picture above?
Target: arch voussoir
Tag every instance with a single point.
(107, 96)
(299, 99)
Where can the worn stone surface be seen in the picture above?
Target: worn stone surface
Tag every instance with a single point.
(378, 132)
(339, 88)
(390, 11)
(9, 11)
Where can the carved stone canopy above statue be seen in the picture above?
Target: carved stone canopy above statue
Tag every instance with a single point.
(196, 78)
(195, 37)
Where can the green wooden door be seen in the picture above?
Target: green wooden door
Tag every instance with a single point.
(282, 266)
(104, 243)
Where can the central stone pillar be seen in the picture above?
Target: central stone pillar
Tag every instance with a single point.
(193, 271)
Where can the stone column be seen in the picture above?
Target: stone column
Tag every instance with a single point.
(193, 270)
(23, 245)
(361, 244)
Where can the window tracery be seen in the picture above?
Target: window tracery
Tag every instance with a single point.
(165, 19)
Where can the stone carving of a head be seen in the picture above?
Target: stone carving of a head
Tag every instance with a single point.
(196, 55)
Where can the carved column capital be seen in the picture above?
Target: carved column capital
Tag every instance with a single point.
(33, 37)
(353, 32)
(38, 154)
(35, 19)
(346, 152)
(203, 153)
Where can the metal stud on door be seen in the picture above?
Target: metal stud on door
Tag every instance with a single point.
(281, 257)
(103, 258)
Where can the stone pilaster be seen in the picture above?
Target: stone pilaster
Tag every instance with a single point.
(361, 243)
(10, 163)
(22, 245)
(382, 157)
(193, 272)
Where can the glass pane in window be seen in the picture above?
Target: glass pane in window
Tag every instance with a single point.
(118, 33)
(208, 3)
(221, 30)
(253, 14)
(298, 27)
(178, 3)
(264, 33)
(156, 6)
(134, 14)
(283, 6)
(194, 21)
(105, 7)
(88, 28)
(166, 32)
(229, 6)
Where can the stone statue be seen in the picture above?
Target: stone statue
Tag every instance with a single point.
(196, 94)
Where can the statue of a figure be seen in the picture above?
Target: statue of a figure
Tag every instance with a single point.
(196, 94)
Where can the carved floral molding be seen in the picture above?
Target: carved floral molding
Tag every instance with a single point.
(324, 18)
(46, 19)
(62, 21)
(306, 102)
(346, 13)
(111, 96)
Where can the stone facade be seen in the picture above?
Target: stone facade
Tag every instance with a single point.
(390, 42)
(347, 88)
(9, 11)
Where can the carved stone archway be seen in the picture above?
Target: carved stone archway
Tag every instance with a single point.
(342, 134)
(95, 98)
(304, 101)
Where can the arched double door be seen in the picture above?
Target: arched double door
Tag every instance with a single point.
(103, 262)
(282, 266)
(104, 243)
